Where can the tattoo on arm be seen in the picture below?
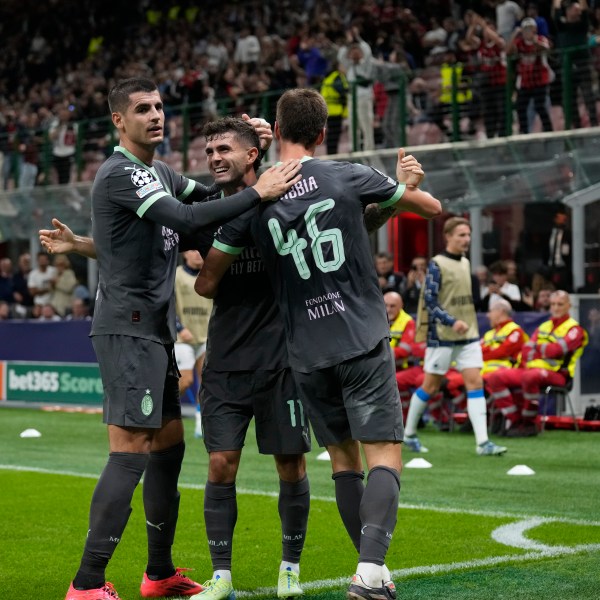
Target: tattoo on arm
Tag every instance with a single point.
(375, 216)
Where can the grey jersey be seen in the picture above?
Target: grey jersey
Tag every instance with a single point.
(317, 253)
(136, 211)
(245, 331)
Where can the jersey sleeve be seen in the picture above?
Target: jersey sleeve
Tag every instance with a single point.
(153, 201)
(375, 187)
(235, 235)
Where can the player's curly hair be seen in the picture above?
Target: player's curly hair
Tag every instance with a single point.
(301, 116)
(118, 97)
(242, 130)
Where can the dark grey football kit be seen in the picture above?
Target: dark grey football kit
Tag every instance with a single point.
(137, 211)
(316, 250)
(246, 371)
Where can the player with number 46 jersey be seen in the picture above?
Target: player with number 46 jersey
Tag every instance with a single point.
(314, 242)
(316, 249)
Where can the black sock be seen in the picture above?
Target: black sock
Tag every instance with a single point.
(378, 514)
(161, 505)
(294, 504)
(109, 512)
(349, 490)
(220, 516)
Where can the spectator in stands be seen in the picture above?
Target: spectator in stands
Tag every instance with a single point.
(32, 139)
(532, 11)
(334, 90)
(48, 313)
(572, 22)
(63, 133)
(508, 14)
(80, 311)
(534, 73)
(11, 147)
(23, 298)
(500, 288)
(482, 278)
(557, 253)
(311, 57)
(40, 278)
(5, 312)
(247, 51)
(62, 285)
(415, 279)
(7, 281)
(444, 35)
(455, 90)
(356, 59)
(542, 301)
(492, 60)
(548, 358)
(384, 265)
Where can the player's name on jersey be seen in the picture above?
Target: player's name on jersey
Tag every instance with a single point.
(302, 187)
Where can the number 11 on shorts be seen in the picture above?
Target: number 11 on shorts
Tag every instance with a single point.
(292, 405)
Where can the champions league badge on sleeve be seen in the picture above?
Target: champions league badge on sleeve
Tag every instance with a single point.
(145, 181)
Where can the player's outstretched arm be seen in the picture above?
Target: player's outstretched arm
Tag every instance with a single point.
(63, 241)
(215, 266)
(409, 172)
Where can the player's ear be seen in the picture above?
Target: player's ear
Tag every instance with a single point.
(252, 155)
(321, 137)
(117, 120)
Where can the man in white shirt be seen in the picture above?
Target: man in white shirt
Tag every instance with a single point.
(39, 280)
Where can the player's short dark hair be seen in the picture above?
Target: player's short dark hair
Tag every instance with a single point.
(118, 97)
(242, 130)
(301, 116)
(453, 222)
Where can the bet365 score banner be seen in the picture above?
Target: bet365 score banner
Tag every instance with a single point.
(69, 383)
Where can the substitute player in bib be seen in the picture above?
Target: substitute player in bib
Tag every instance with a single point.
(136, 210)
(317, 253)
(446, 319)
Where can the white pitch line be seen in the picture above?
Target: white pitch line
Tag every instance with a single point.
(434, 569)
(511, 534)
(269, 494)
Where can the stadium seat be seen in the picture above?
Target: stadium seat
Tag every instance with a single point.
(562, 396)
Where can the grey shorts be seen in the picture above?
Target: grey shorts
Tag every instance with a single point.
(356, 399)
(229, 400)
(140, 380)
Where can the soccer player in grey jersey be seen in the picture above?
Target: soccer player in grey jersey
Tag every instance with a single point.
(246, 375)
(317, 253)
(135, 213)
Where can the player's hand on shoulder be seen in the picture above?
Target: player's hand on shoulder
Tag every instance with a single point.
(57, 241)
(278, 179)
(408, 169)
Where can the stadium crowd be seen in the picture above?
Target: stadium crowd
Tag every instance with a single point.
(60, 60)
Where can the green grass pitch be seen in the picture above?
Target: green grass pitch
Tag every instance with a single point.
(466, 529)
